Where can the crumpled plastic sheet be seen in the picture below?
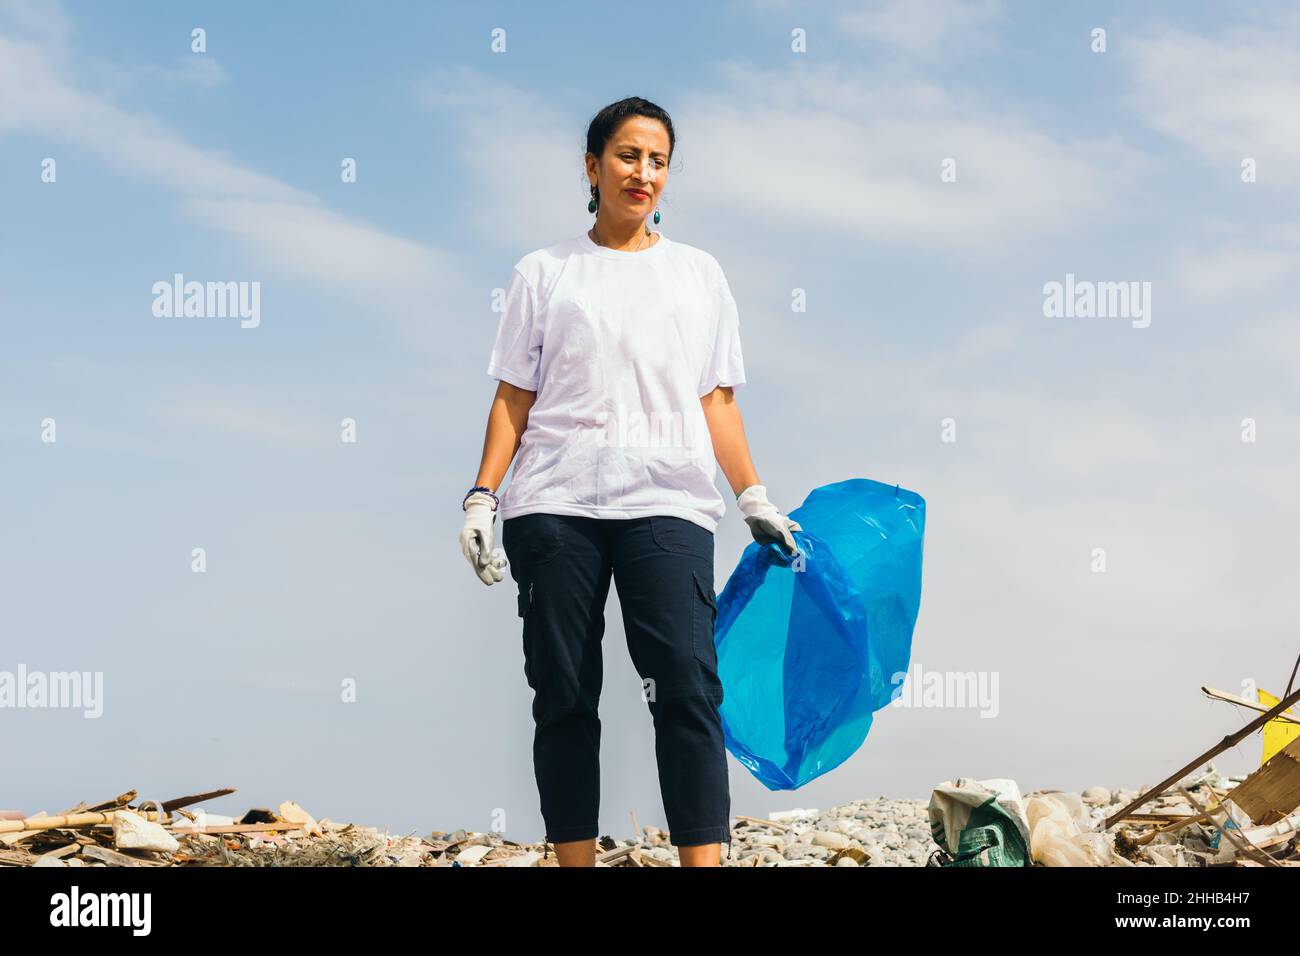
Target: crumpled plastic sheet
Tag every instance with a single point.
(808, 645)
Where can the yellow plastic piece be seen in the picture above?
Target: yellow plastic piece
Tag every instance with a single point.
(1277, 733)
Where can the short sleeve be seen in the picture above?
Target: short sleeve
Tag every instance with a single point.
(725, 364)
(517, 351)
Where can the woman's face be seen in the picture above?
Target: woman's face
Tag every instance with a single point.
(633, 170)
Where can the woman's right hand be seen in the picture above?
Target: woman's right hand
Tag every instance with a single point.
(476, 539)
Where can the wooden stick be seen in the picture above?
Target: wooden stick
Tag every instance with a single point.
(179, 802)
(238, 828)
(1223, 695)
(764, 823)
(119, 801)
(1173, 827)
(68, 821)
(1158, 819)
(1230, 741)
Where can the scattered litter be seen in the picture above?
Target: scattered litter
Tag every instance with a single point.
(131, 832)
(980, 823)
(1061, 832)
(1198, 817)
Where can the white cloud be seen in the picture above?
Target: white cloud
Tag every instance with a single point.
(878, 179)
(39, 21)
(1238, 263)
(193, 69)
(311, 241)
(820, 148)
(1227, 95)
(237, 413)
(35, 97)
(826, 148)
(522, 153)
(288, 228)
(927, 29)
(920, 30)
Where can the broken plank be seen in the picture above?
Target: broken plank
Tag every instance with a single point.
(239, 828)
(105, 855)
(1273, 790)
(178, 802)
(617, 853)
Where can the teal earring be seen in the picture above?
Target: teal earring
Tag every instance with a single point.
(656, 215)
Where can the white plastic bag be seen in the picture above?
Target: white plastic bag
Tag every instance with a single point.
(1061, 832)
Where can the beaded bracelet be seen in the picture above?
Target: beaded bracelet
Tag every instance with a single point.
(496, 503)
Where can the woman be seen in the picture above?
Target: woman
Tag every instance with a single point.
(616, 351)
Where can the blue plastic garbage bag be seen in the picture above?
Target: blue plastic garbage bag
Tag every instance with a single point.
(808, 645)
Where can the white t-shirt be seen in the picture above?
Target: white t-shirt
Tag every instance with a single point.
(619, 347)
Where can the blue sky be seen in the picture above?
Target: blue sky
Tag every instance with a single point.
(815, 171)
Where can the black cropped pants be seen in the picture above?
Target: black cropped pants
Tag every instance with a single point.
(663, 569)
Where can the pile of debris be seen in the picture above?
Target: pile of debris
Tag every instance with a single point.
(1205, 819)
(1243, 821)
(1196, 817)
(1058, 829)
(988, 823)
(120, 833)
(116, 833)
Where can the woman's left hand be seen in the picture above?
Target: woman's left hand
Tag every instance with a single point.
(765, 520)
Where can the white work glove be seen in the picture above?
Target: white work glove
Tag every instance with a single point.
(766, 523)
(476, 538)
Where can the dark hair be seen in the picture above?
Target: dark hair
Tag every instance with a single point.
(604, 123)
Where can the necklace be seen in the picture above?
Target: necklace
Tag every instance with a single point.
(595, 237)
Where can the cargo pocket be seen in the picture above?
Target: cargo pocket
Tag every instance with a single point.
(705, 616)
(537, 537)
(679, 536)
